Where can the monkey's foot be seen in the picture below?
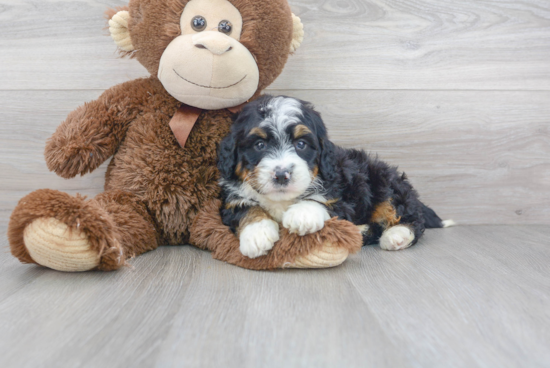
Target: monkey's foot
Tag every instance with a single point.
(53, 244)
(65, 233)
(326, 256)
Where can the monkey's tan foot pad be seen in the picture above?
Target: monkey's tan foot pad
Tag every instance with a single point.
(53, 244)
(326, 256)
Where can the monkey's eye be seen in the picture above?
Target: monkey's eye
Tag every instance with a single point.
(198, 23)
(301, 145)
(226, 27)
(260, 145)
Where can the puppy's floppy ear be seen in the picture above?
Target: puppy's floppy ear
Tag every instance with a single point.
(327, 156)
(227, 156)
(327, 160)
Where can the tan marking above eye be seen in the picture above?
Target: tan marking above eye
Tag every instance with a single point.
(301, 130)
(259, 132)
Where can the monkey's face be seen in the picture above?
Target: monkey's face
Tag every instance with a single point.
(210, 54)
(206, 66)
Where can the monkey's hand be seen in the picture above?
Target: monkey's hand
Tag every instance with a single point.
(76, 148)
(92, 133)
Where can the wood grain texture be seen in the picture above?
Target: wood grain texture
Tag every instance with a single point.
(476, 157)
(463, 297)
(49, 44)
(437, 44)
(349, 44)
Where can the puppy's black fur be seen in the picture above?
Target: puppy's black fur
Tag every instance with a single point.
(354, 183)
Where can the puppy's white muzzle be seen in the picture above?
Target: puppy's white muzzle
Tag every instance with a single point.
(283, 176)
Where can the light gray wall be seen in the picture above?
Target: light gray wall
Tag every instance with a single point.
(457, 93)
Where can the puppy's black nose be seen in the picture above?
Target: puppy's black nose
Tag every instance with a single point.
(282, 177)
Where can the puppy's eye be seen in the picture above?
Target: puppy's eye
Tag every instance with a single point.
(260, 146)
(198, 23)
(301, 145)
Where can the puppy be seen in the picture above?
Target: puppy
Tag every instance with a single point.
(278, 166)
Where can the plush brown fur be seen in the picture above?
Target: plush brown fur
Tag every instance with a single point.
(76, 213)
(93, 132)
(157, 192)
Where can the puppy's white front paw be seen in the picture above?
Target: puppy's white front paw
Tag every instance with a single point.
(305, 217)
(396, 238)
(258, 238)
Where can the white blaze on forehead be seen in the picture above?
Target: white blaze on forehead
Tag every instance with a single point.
(282, 112)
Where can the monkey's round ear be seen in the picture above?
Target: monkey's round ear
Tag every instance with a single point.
(298, 34)
(118, 26)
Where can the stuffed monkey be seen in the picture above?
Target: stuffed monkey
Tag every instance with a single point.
(205, 57)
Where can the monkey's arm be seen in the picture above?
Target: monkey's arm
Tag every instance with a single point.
(92, 133)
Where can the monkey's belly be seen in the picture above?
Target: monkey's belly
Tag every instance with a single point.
(174, 182)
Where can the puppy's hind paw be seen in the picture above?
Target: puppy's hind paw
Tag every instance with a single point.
(396, 238)
(258, 238)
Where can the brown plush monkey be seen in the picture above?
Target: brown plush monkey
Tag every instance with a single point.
(205, 57)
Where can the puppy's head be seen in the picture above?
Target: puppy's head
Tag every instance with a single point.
(275, 149)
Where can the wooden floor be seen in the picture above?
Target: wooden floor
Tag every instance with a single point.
(474, 296)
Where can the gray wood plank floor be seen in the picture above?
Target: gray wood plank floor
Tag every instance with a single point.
(463, 297)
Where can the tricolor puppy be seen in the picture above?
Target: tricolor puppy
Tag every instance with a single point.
(279, 168)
